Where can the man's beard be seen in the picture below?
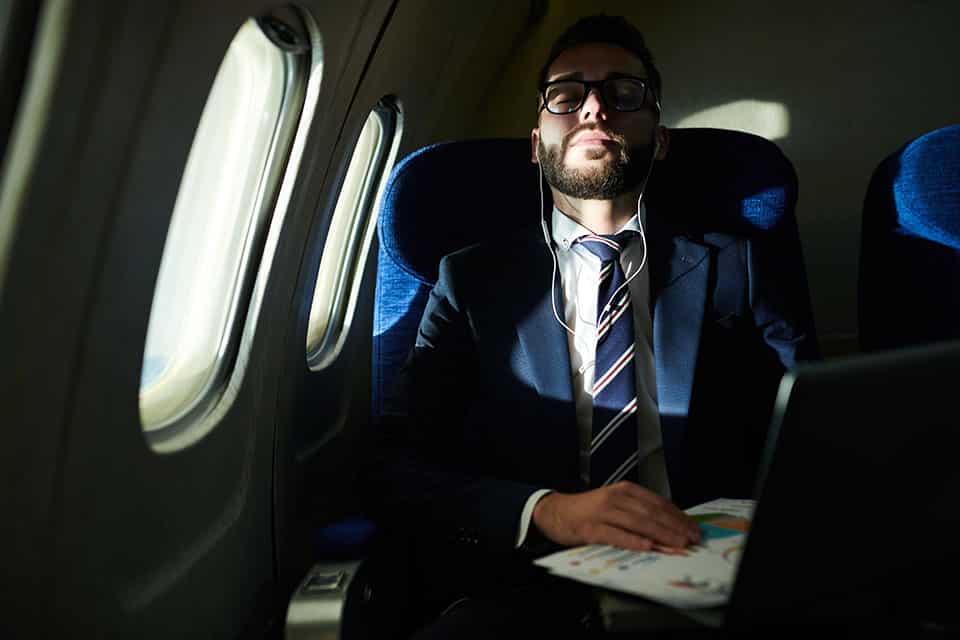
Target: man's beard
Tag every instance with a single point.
(625, 172)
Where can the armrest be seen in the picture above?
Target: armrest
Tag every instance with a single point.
(320, 605)
(317, 607)
(357, 588)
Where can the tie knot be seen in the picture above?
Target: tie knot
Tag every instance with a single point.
(606, 247)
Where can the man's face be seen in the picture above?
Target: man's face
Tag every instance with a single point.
(595, 153)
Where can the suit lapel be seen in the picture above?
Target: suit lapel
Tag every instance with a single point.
(679, 276)
(543, 340)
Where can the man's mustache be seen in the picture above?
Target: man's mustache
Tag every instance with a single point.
(616, 137)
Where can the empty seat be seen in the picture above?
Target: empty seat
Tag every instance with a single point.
(909, 288)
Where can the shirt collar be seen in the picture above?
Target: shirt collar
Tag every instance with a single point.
(566, 230)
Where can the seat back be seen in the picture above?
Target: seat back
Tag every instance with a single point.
(439, 199)
(909, 287)
(448, 196)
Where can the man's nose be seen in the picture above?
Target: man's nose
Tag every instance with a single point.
(593, 105)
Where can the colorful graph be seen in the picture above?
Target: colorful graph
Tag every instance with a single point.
(714, 526)
(694, 576)
(705, 586)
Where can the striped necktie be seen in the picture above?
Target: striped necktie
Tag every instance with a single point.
(613, 447)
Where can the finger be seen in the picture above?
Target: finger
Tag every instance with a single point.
(639, 515)
(644, 495)
(646, 526)
(607, 534)
(635, 492)
(634, 495)
(671, 551)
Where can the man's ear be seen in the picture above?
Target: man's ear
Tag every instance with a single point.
(663, 138)
(534, 141)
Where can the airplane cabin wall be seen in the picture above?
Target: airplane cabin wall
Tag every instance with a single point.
(838, 85)
(323, 422)
(108, 536)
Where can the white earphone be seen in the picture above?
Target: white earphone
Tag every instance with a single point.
(553, 253)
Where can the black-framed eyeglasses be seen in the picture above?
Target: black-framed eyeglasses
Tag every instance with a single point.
(623, 93)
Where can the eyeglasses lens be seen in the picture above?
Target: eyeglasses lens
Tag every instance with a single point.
(622, 94)
(564, 97)
(625, 94)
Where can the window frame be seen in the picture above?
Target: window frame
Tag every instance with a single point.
(193, 420)
(350, 265)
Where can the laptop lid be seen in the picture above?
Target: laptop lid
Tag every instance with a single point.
(858, 493)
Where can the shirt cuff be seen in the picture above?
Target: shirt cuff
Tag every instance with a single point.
(527, 514)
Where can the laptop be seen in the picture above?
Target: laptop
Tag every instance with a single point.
(858, 513)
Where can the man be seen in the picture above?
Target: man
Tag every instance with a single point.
(535, 420)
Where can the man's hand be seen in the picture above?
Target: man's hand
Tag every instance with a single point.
(624, 515)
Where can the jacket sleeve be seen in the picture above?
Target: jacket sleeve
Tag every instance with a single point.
(780, 298)
(429, 480)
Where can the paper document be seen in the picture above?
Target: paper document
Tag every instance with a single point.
(700, 577)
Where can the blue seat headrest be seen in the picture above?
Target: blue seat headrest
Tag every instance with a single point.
(447, 196)
(908, 291)
(926, 187)
(451, 195)
(724, 181)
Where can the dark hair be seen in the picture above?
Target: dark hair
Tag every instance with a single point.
(604, 29)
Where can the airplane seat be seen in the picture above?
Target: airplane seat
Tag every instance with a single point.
(450, 195)
(344, 539)
(423, 217)
(439, 199)
(909, 288)
(447, 196)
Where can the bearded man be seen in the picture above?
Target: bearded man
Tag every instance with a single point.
(534, 415)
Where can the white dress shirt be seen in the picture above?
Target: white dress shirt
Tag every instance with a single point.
(579, 271)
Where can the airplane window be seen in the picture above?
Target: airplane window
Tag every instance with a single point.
(351, 232)
(216, 232)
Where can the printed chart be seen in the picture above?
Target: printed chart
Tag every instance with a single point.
(700, 576)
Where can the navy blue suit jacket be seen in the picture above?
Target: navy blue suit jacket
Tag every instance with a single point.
(491, 407)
